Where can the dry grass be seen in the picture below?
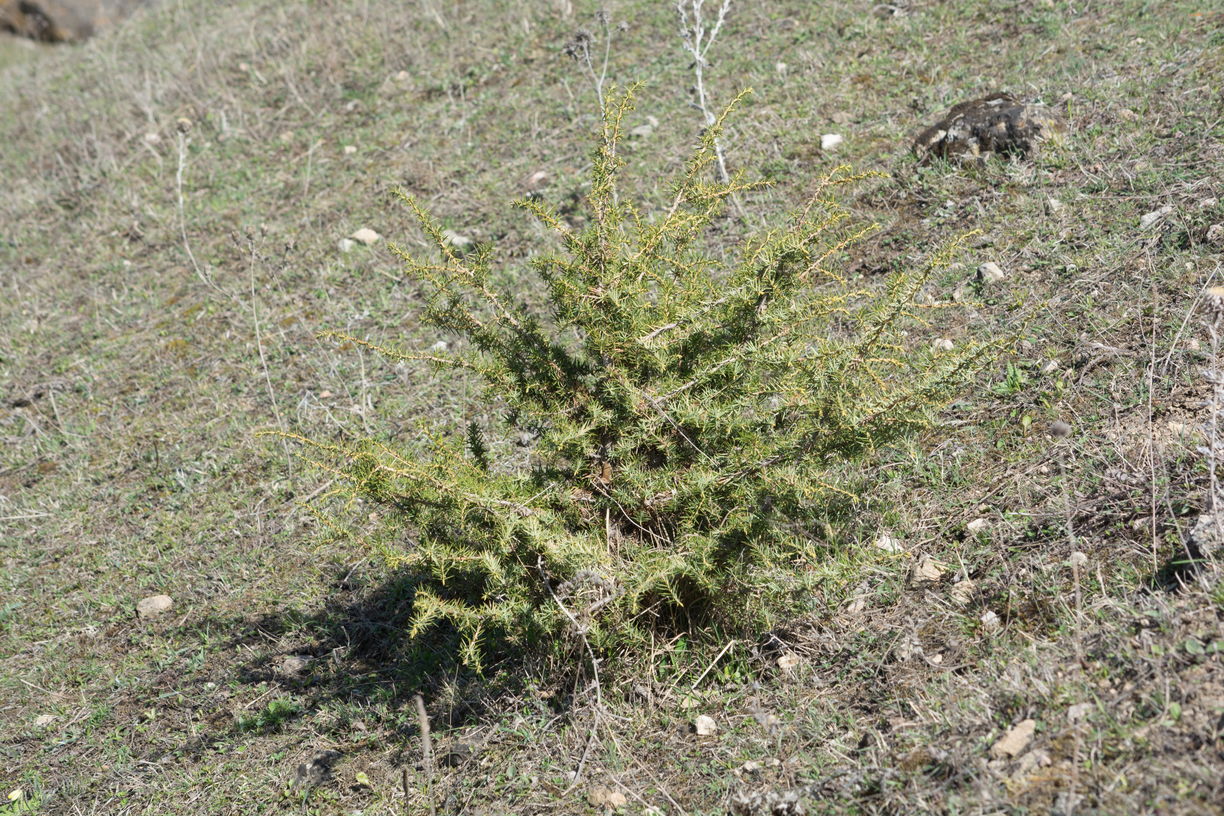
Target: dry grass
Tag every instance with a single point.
(133, 379)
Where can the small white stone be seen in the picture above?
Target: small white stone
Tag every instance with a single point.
(1015, 740)
(439, 347)
(350, 150)
(537, 179)
(152, 138)
(1193, 344)
(780, 68)
(977, 525)
(962, 592)
(990, 621)
(1155, 216)
(1053, 205)
(154, 605)
(456, 240)
(347, 244)
(1208, 203)
(705, 726)
(828, 141)
(788, 661)
(887, 543)
(942, 344)
(1077, 559)
(1050, 367)
(1079, 711)
(43, 720)
(928, 570)
(991, 272)
(366, 236)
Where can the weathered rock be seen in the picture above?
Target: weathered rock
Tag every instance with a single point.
(991, 272)
(995, 125)
(366, 236)
(606, 798)
(154, 605)
(63, 20)
(828, 141)
(704, 726)
(1014, 741)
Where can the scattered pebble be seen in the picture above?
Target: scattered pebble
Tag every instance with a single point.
(1013, 743)
(366, 236)
(1155, 216)
(887, 543)
(439, 347)
(152, 138)
(788, 661)
(1053, 205)
(780, 68)
(347, 244)
(350, 150)
(454, 239)
(942, 344)
(602, 797)
(928, 570)
(154, 605)
(977, 525)
(842, 118)
(962, 592)
(990, 272)
(990, 621)
(43, 720)
(828, 141)
(1050, 367)
(642, 131)
(705, 726)
(537, 179)
(1079, 711)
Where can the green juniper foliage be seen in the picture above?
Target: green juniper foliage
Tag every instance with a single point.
(689, 416)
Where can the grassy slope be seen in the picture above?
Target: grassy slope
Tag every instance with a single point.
(134, 373)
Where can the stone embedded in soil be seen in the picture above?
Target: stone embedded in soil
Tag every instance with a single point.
(788, 661)
(976, 526)
(828, 141)
(928, 571)
(995, 125)
(1053, 205)
(1153, 218)
(347, 244)
(990, 621)
(602, 797)
(154, 605)
(454, 239)
(1079, 711)
(366, 236)
(1013, 743)
(43, 720)
(990, 272)
(704, 726)
(962, 592)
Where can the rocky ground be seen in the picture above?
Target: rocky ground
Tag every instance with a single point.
(1023, 615)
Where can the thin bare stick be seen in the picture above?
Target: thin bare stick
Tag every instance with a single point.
(426, 751)
(696, 40)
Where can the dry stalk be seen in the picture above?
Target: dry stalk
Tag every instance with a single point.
(696, 38)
